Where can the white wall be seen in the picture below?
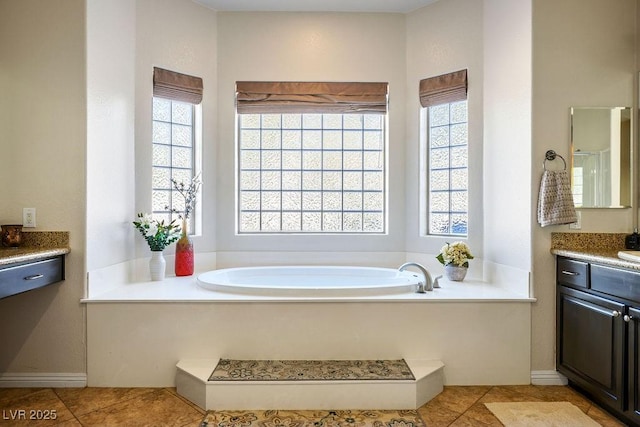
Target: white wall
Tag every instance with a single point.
(443, 37)
(177, 35)
(310, 47)
(584, 54)
(42, 150)
(110, 131)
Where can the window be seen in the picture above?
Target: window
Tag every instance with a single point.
(320, 170)
(445, 100)
(175, 122)
(448, 169)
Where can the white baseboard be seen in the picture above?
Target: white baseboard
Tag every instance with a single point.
(548, 378)
(40, 380)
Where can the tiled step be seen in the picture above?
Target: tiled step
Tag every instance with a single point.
(195, 380)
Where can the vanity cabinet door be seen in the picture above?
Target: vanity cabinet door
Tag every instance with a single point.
(590, 344)
(633, 405)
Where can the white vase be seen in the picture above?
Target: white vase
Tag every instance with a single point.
(157, 266)
(455, 273)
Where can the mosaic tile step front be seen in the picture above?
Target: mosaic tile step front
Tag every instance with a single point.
(310, 370)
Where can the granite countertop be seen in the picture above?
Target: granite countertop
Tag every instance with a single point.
(36, 245)
(602, 248)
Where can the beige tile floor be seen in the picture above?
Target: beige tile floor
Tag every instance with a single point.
(456, 406)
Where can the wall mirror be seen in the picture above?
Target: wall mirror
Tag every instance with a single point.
(601, 167)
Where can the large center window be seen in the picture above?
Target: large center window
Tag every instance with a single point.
(306, 168)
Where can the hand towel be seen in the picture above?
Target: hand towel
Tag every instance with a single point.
(555, 201)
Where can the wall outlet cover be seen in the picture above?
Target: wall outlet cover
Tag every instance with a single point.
(29, 217)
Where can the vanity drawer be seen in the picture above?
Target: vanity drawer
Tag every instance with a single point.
(24, 277)
(614, 281)
(572, 273)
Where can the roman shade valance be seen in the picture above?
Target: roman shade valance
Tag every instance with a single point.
(451, 87)
(177, 86)
(311, 97)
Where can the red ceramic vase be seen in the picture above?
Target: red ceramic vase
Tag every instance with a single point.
(184, 253)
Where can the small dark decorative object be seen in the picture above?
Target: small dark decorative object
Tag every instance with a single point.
(11, 235)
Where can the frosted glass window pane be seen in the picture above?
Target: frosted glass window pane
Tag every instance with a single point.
(311, 160)
(291, 221)
(332, 121)
(311, 221)
(439, 180)
(332, 202)
(161, 155)
(332, 221)
(270, 159)
(373, 140)
(311, 180)
(459, 112)
(373, 202)
(271, 121)
(312, 121)
(161, 109)
(332, 160)
(291, 160)
(182, 157)
(459, 224)
(352, 221)
(291, 180)
(182, 113)
(332, 139)
(372, 222)
(373, 180)
(270, 221)
(292, 201)
(353, 160)
(249, 221)
(271, 180)
(177, 201)
(270, 200)
(161, 133)
(352, 201)
(182, 135)
(249, 180)
(373, 160)
(353, 140)
(439, 115)
(181, 176)
(439, 202)
(332, 181)
(292, 121)
(439, 223)
(352, 180)
(312, 139)
(458, 134)
(439, 137)
(160, 200)
(291, 139)
(459, 201)
(459, 179)
(459, 157)
(271, 139)
(250, 201)
(250, 121)
(250, 139)
(439, 158)
(311, 201)
(161, 178)
(250, 159)
(373, 121)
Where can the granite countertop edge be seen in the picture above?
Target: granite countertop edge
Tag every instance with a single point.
(607, 257)
(8, 256)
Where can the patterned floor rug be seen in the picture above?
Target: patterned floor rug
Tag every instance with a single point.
(316, 418)
(540, 414)
(310, 370)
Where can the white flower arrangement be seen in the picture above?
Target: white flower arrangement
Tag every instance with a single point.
(456, 253)
(157, 234)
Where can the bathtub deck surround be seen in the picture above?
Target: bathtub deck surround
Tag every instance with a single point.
(329, 389)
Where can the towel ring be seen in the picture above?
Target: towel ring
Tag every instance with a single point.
(551, 155)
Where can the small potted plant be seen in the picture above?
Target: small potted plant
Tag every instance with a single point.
(158, 235)
(455, 258)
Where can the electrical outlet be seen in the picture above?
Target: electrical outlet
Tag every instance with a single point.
(578, 224)
(29, 217)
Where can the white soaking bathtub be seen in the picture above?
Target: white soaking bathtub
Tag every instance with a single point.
(311, 281)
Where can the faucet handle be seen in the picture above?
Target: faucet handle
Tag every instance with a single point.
(436, 281)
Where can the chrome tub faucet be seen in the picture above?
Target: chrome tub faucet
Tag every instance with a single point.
(424, 286)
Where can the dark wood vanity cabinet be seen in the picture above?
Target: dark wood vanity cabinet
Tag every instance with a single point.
(21, 277)
(598, 334)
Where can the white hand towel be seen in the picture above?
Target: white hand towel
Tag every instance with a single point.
(555, 201)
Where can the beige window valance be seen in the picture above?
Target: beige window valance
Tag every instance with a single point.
(311, 97)
(451, 87)
(177, 86)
